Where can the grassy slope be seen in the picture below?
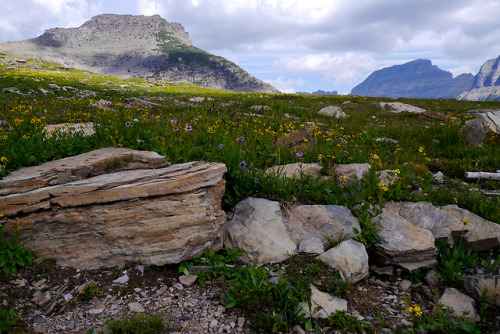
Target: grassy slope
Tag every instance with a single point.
(424, 144)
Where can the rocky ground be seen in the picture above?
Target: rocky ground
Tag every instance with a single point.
(48, 300)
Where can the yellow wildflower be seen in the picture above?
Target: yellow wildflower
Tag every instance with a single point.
(465, 222)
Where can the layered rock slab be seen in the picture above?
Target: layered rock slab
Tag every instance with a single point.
(158, 215)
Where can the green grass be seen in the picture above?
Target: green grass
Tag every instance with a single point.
(424, 145)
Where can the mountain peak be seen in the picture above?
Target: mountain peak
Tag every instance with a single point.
(136, 46)
(414, 79)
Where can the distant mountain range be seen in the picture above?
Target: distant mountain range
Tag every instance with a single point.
(320, 92)
(421, 79)
(136, 46)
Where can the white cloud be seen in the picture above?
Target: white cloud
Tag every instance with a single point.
(285, 85)
(346, 68)
(456, 71)
(149, 7)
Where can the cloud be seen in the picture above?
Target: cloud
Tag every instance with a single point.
(285, 85)
(149, 7)
(346, 68)
(29, 18)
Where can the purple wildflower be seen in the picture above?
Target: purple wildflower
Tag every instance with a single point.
(343, 140)
(327, 133)
(256, 180)
(136, 120)
(108, 103)
(127, 124)
(243, 164)
(220, 146)
(34, 100)
(241, 139)
(176, 129)
(173, 121)
(188, 128)
(298, 154)
(132, 104)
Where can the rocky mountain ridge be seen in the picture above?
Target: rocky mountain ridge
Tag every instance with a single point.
(136, 46)
(415, 79)
(486, 84)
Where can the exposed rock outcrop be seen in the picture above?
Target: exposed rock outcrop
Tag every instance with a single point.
(486, 84)
(115, 206)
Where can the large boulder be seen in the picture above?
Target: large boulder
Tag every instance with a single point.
(481, 234)
(257, 228)
(397, 107)
(443, 225)
(483, 129)
(115, 206)
(332, 111)
(268, 233)
(461, 304)
(403, 243)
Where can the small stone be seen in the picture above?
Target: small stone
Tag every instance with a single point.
(121, 280)
(42, 299)
(68, 297)
(39, 329)
(214, 323)
(135, 307)
(405, 285)
(178, 286)
(97, 309)
(162, 290)
(188, 280)
(241, 321)
(39, 283)
(298, 330)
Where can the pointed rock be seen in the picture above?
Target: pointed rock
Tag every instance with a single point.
(461, 304)
(323, 304)
(350, 257)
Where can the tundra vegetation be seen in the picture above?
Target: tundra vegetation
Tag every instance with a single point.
(223, 127)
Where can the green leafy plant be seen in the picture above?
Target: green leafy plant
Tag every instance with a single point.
(139, 324)
(88, 292)
(345, 323)
(452, 260)
(12, 253)
(8, 320)
(441, 321)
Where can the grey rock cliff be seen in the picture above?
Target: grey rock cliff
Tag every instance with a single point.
(486, 84)
(136, 46)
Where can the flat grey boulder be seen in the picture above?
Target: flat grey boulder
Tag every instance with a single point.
(482, 234)
(332, 111)
(443, 225)
(350, 257)
(403, 243)
(268, 233)
(322, 304)
(350, 173)
(461, 304)
(117, 206)
(295, 170)
(484, 128)
(397, 107)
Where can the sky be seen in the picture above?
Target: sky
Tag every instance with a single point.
(299, 45)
